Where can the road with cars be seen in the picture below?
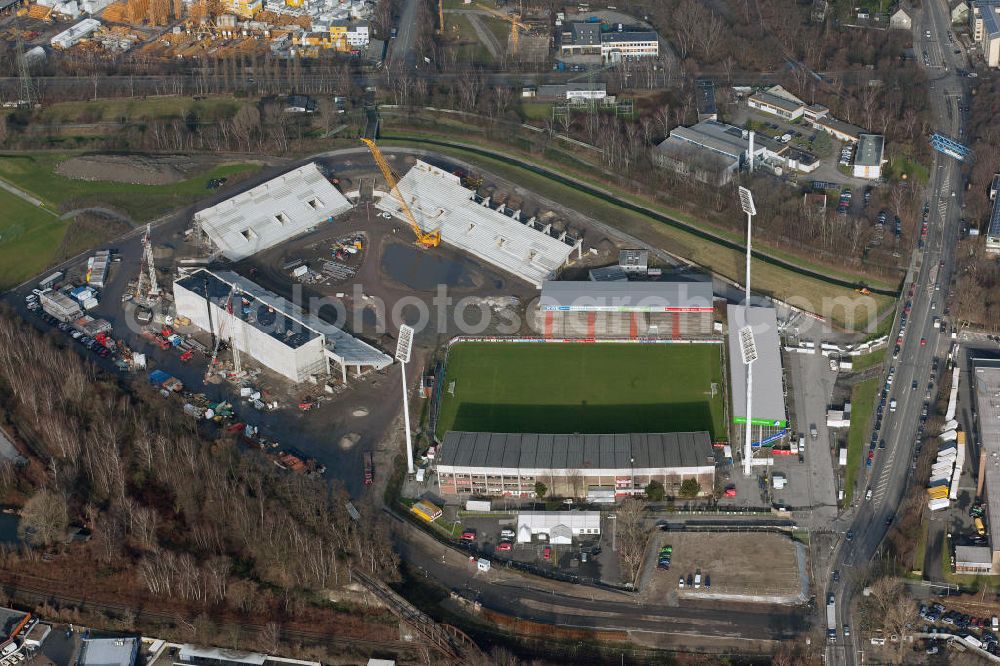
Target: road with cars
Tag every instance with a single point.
(908, 373)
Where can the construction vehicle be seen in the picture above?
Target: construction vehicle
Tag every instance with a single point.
(424, 239)
(863, 290)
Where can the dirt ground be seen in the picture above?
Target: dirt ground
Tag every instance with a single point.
(135, 169)
(759, 564)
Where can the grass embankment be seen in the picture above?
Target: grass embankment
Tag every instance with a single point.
(137, 109)
(584, 388)
(862, 406)
(866, 361)
(36, 173)
(29, 237)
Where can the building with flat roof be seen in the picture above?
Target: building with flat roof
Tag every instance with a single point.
(271, 213)
(769, 419)
(993, 228)
(484, 463)
(986, 392)
(580, 38)
(870, 156)
(778, 102)
(621, 310)
(634, 261)
(976, 560)
(629, 44)
(109, 651)
(501, 236)
(573, 92)
(557, 527)
(613, 273)
(985, 22)
(705, 97)
(276, 333)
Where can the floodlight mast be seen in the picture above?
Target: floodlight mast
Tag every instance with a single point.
(404, 345)
(746, 333)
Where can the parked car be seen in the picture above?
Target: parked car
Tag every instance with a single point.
(546, 553)
(469, 535)
(504, 546)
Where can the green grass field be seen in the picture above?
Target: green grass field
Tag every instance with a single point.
(583, 388)
(863, 397)
(35, 173)
(29, 237)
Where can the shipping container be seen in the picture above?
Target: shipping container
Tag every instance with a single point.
(937, 504)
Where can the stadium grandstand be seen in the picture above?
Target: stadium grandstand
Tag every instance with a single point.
(626, 310)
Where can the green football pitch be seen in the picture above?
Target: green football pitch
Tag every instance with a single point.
(583, 388)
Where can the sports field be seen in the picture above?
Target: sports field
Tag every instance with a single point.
(583, 388)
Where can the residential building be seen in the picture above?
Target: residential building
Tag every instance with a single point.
(276, 333)
(557, 527)
(838, 129)
(707, 109)
(627, 310)
(900, 19)
(572, 465)
(629, 44)
(870, 156)
(986, 29)
(768, 418)
(271, 213)
(778, 102)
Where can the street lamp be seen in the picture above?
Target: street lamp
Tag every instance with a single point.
(404, 345)
(748, 347)
(748, 350)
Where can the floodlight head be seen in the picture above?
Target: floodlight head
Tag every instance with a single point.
(746, 201)
(404, 344)
(748, 346)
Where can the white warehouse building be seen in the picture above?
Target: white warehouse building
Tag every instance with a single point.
(500, 236)
(274, 332)
(271, 213)
(557, 527)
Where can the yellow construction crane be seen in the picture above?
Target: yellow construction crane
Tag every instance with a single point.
(515, 25)
(440, 17)
(424, 239)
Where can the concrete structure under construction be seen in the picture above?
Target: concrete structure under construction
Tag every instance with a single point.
(483, 463)
(276, 333)
(769, 418)
(271, 213)
(986, 393)
(609, 310)
(501, 236)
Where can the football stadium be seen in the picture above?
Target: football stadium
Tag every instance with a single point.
(591, 388)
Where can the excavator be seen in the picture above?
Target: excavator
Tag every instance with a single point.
(424, 238)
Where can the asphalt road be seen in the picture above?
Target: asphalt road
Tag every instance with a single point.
(888, 476)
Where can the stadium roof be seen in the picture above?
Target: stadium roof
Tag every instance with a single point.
(546, 520)
(289, 319)
(870, 148)
(768, 392)
(272, 212)
(109, 651)
(552, 453)
(439, 201)
(590, 296)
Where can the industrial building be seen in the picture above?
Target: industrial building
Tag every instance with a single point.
(973, 560)
(993, 228)
(500, 236)
(72, 35)
(986, 393)
(711, 152)
(778, 102)
(483, 463)
(838, 129)
(609, 310)
(986, 30)
(574, 93)
(707, 108)
(122, 651)
(769, 420)
(276, 333)
(870, 156)
(558, 528)
(271, 213)
(213, 656)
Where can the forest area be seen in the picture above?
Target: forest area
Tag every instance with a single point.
(171, 515)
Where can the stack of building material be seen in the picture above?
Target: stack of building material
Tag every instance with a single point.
(959, 462)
